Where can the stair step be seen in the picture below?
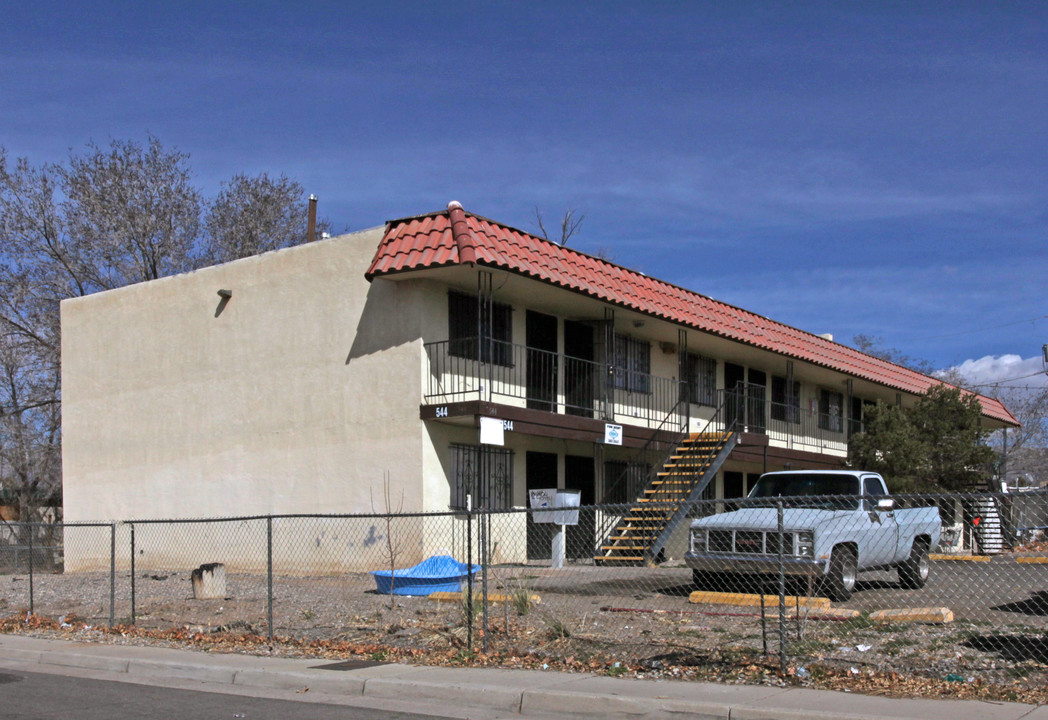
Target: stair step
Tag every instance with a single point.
(642, 548)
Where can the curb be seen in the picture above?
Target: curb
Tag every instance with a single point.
(503, 691)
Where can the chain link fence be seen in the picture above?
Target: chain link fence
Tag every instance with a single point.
(948, 585)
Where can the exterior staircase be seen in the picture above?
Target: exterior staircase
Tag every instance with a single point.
(644, 529)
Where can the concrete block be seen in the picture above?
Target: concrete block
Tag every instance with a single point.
(209, 581)
(771, 602)
(936, 616)
(818, 613)
(961, 558)
(493, 598)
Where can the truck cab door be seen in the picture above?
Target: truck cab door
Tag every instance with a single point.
(884, 537)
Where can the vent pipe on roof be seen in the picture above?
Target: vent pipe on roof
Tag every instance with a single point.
(311, 224)
(461, 234)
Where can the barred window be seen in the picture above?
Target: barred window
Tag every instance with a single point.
(701, 375)
(483, 471)
(632, 364)
(495, 328)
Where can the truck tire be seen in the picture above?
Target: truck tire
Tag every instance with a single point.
(840, 582)
(914, 572)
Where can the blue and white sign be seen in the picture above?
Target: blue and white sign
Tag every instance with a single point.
(612, 434)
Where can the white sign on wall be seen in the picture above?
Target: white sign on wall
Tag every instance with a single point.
(492, 431)
(612, 434)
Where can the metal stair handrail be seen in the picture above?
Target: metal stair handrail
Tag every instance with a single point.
(711, 426)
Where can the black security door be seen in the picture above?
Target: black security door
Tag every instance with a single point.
(540, 473)
(579, 368)
(579, 475)
(542, 361)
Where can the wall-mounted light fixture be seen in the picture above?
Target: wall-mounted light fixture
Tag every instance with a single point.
(225, 294)
(667, 348)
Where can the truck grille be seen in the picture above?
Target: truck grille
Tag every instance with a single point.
(749, 541)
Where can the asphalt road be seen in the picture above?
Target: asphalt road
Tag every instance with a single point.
(39, 696)
(1001, 591)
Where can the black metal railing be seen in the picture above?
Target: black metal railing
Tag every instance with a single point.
(806, 428)
(465, 369)
(549, 381)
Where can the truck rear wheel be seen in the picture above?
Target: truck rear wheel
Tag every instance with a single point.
(913, 574)
(840, 583)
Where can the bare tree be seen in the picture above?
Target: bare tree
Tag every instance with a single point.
(392, 547)
(875, 346)
(105, 218)
(135, 208)
(253, 215)
(569, 225)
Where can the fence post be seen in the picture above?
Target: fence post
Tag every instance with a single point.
(132, 525)
(782, 591)
(469, 572)
(112, 574)
(29, 527)
(269, 574)
(485, 530)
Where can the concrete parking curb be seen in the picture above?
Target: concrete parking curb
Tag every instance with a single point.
(531, 693)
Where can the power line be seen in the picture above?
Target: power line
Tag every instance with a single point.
(1008, 380)
(983, 329)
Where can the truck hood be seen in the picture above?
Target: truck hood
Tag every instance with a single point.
(793, 519)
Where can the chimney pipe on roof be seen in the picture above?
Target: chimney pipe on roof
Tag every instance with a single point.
(311, 226)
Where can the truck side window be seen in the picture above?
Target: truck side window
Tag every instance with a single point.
(872, 489)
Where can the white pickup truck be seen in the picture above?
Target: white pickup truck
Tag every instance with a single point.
(834, 524)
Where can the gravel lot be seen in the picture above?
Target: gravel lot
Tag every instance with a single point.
(637, 617)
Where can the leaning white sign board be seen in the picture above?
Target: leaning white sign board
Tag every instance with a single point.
(545, 498)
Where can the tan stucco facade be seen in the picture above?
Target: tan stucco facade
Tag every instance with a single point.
(288, 384)
(296, 394)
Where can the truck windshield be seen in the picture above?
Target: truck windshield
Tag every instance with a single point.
(811, 491)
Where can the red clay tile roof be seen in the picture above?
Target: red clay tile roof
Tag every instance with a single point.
(456, 237)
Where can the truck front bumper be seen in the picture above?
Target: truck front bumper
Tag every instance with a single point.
(754, 564)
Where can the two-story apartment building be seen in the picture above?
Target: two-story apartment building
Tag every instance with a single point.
(314, 378)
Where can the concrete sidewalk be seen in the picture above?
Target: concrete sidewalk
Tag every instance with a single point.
(491, 691)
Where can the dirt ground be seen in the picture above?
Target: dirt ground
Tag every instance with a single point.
(604, 620)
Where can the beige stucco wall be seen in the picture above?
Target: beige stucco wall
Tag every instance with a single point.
(300, 394)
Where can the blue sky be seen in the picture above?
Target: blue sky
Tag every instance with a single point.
(875, 168)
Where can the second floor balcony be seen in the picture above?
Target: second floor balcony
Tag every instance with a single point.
(521, 376)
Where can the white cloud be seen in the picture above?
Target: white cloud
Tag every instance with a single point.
(1005, 369)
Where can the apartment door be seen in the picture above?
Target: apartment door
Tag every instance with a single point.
(579, 475)
(579, 368)
(542, 361)
(540, 472)
(734, 403)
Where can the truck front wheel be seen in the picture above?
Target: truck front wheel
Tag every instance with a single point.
(913, 574)
(840, 583)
